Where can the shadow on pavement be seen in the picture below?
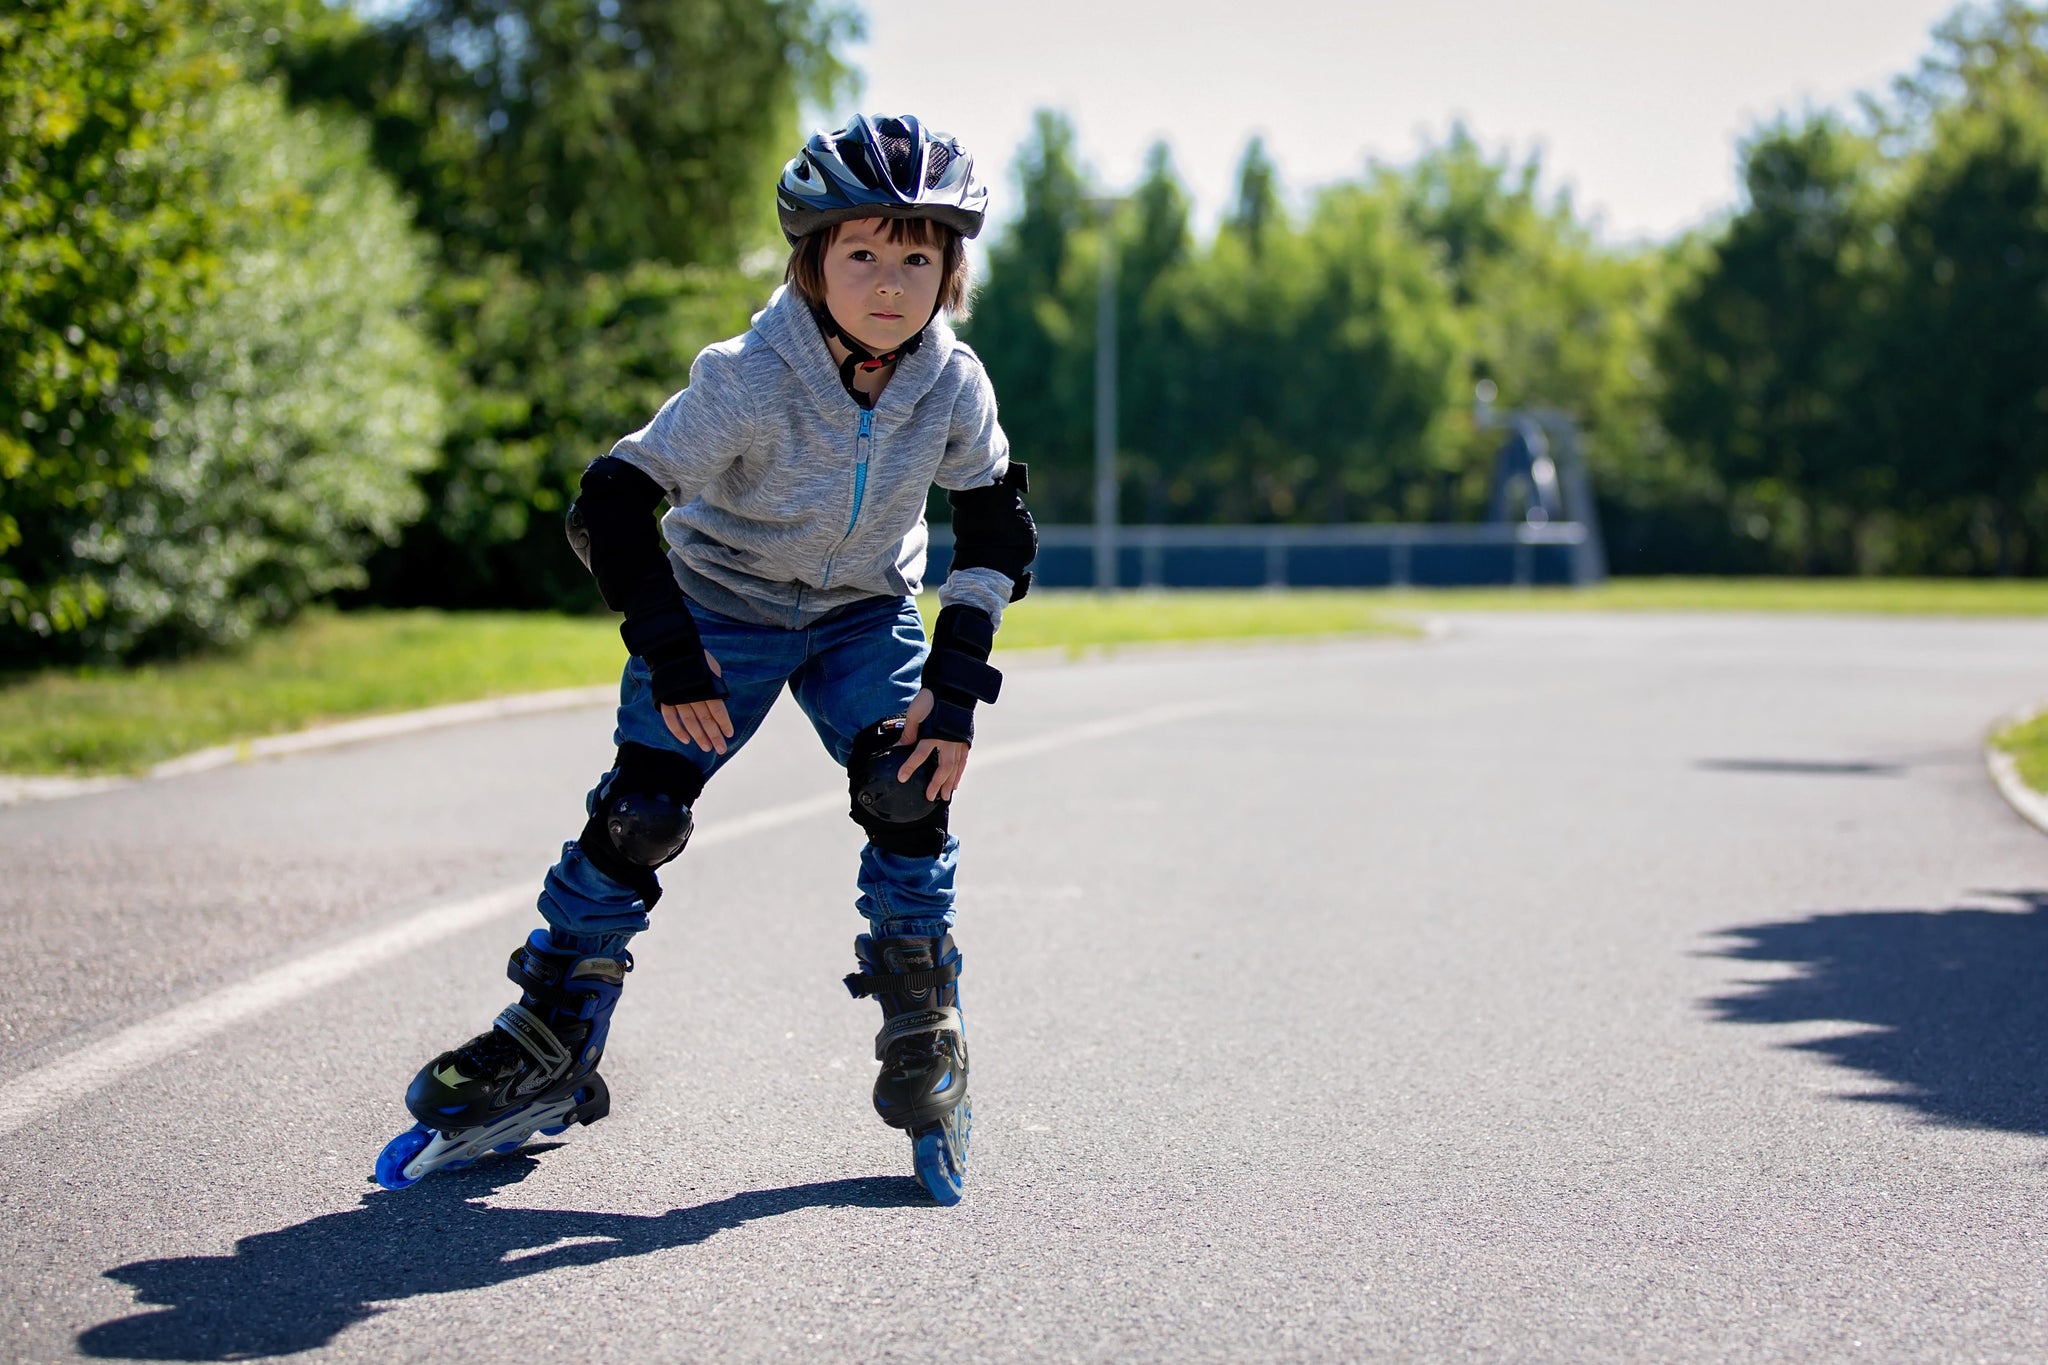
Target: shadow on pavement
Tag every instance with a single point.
(1802, 767)
(296, 1288)
(1890, 765)
(1953, 999)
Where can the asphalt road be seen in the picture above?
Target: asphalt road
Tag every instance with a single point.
(1574, 987)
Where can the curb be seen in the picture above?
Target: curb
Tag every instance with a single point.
(2027, 803)
(16, 790)
(20, 790)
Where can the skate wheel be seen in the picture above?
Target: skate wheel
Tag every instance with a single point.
(502, 1148)
(555, 1131)
(391, 1162)
(936, 1169)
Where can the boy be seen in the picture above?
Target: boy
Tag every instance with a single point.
(795, 466)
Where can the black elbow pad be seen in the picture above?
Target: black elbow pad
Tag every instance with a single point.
(612, 529)
(992, 528)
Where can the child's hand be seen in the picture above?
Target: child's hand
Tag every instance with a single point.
(952, 753)
(702, 723)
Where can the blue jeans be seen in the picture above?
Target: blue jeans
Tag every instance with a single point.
(854, 668)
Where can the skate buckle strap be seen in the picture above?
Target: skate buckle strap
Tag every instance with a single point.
(525, 1028)
(911, 1023)
(610, 970)
(862, 984)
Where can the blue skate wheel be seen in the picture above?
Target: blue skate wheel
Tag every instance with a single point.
(504, 1147)
(397, 1152)
(937, 1171)
(555, 1131)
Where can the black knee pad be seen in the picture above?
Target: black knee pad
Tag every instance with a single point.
(898, 816)
(643, 820)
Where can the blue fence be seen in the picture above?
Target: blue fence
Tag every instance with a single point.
(1351, 556)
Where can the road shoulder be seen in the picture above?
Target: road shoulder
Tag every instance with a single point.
(2027, 803)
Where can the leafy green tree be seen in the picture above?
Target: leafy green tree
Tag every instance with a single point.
(1765, 353)
(1961, 398)
(302, 400)
(1323, 359)
(1285, 373)
(1984, 57)
(1158, 408)
(550, 371)
(1257, 206)
(105, 244)
(1372, 365)
(1034, 323)
(593, 172)
(1553, 320)
(580, 135)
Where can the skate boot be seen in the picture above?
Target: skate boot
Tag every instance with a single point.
(534, 1071)
(922, 1087)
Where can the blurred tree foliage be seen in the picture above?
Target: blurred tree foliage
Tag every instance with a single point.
(286, 284)
(576, 135)
(1960, 375)
(1312, 368)
(214, 397)
(1845, 375)
(1034, 320)
(106, 241)
(1765, 352)
(301, 404)
(1857, 359)
(594, 174)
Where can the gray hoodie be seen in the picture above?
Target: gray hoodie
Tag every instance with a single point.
(789, 501)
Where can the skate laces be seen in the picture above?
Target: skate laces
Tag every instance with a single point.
(488, 1054)
(923, 1047)
(918, 1047)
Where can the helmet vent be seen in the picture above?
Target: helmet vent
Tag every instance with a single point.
(899, 154)
(855, 155)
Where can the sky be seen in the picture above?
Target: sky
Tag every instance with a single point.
(1636, 106)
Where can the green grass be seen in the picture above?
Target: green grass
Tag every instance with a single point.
(2027, 742)
(1083, 620)
(330, 666)
(325, 667)
(1858, 596)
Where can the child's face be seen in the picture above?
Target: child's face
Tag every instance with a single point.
(881, 291)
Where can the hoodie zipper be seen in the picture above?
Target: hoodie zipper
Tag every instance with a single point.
(863, 446)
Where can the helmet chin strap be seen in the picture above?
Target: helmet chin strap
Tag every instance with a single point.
(861, 356)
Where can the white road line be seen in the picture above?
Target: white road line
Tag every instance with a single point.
(30, 1096)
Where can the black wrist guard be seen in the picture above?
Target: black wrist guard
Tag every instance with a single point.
(666, 638)
(958, 673)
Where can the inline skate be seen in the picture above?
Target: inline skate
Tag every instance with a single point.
(922, 1086)
(534, 1071)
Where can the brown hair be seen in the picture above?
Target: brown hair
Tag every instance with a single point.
(806, 273)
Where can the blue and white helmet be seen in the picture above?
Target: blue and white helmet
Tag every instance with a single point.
(880, 166)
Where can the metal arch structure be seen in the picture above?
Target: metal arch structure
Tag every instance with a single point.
(1540, 479)
(1524, 486)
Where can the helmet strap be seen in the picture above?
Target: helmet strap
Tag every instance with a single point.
(859, 355)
